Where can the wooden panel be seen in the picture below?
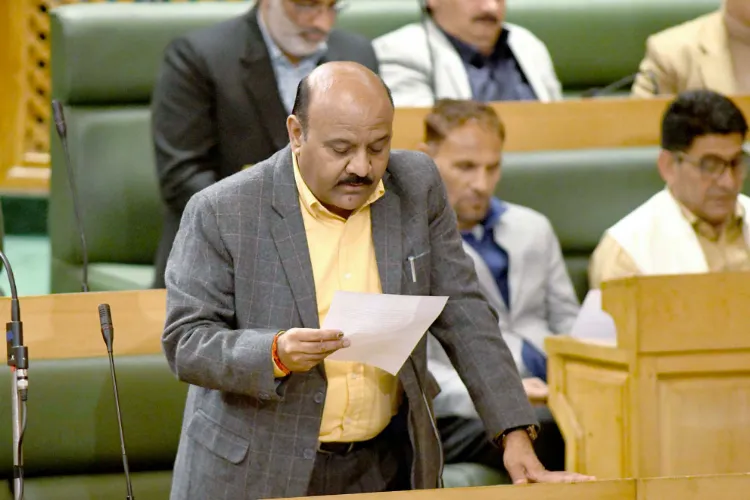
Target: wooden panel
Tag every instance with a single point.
(724, 487)
(704, 311)
(598, 396)
(600, 490)
(703, 422)
(67, 325)
(573, 124)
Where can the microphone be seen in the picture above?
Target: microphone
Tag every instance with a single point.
(620, 84)
(62, 133)
(18, 360)
(108, 334)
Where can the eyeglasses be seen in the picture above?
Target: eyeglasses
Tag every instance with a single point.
(314, 7)
(714, 167)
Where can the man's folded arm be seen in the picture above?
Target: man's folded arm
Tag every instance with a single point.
(468, 328)
(200, 341)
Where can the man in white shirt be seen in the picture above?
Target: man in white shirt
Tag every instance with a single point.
(520, 270)
(465, 50)
(699, 222)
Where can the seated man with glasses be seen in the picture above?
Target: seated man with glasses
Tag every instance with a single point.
(224, 92)
(699, 223)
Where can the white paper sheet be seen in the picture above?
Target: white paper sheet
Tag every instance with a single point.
(383, 329)
(594, 324)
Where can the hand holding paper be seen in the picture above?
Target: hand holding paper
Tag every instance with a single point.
(382, 329)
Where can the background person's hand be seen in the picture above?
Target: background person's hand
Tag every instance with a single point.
(300, 349)
(536, 390)
(524, 467)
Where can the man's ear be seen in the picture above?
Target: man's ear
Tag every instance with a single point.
(667, 164)
(294, 129)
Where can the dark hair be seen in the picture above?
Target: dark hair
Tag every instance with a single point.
(696, 113)
(301, 106)
(449, 114)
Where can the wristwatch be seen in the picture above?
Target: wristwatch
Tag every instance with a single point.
(530, 430)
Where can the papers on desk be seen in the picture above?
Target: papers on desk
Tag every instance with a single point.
(594, 324)
(383, 329)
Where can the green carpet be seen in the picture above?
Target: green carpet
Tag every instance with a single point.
(30, 258)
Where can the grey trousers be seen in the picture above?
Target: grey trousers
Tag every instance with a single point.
(379, 465)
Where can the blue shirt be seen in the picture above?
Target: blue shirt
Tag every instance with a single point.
(496, 77)
(482, 239)
(288, 75)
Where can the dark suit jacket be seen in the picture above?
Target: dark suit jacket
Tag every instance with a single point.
(240, 271)
(216, 107)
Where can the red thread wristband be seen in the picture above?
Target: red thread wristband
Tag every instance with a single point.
(275, 354)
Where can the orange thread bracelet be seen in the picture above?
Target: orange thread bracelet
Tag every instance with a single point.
(275, 354)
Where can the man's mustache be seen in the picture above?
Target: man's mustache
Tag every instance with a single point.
(314, 31)
(355, 180)
(487, 18)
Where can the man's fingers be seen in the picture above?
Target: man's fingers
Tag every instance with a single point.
(323, 347)
(545, 476)
(309, 335)
(517, 473)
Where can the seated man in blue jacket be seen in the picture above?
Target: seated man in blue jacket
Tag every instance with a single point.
(520, 269)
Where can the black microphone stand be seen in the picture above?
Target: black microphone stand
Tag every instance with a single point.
(18, 360)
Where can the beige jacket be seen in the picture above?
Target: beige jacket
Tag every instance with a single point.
(692, 55)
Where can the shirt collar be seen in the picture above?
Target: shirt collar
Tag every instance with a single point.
(315, 208)
(704, 228)
(276, 53)
(471, 55)
(496, 210)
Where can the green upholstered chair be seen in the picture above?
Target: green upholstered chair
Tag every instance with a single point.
(595, 42)
(105, 59)
(71, 444)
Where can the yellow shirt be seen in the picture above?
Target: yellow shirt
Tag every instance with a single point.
(360, 399)
(725, 250)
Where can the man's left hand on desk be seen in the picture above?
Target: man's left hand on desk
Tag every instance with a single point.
(523, 466)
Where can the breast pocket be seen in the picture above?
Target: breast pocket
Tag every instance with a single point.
(417, 271)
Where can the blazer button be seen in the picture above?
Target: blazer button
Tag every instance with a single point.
(319, 397)
(309, 454)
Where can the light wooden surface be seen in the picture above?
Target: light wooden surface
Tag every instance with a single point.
(563, 125)
(673, 396)
(67, 325)
(712, 487)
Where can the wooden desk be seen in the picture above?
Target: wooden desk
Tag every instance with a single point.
(67, 325)
(573, 124)
(673, 396)
(719, 487)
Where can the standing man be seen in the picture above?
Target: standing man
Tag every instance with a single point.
(521, 272)
(465, 50)
(250, 280)
(223, 94)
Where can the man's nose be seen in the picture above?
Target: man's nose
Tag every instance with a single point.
(359, 164)
(324, 19)
(480, 182)
(728, 179)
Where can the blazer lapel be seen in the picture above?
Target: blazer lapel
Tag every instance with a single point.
(486, 281)
(716, 68)
(385, 214)
(448, 65)
(529, 68)
(288, 231)
(259, 80)
(515, 257)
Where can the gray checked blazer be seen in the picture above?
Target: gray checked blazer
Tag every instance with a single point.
(240, 271)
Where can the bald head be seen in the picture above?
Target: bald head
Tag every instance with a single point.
(341, 82)
(340, 132)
